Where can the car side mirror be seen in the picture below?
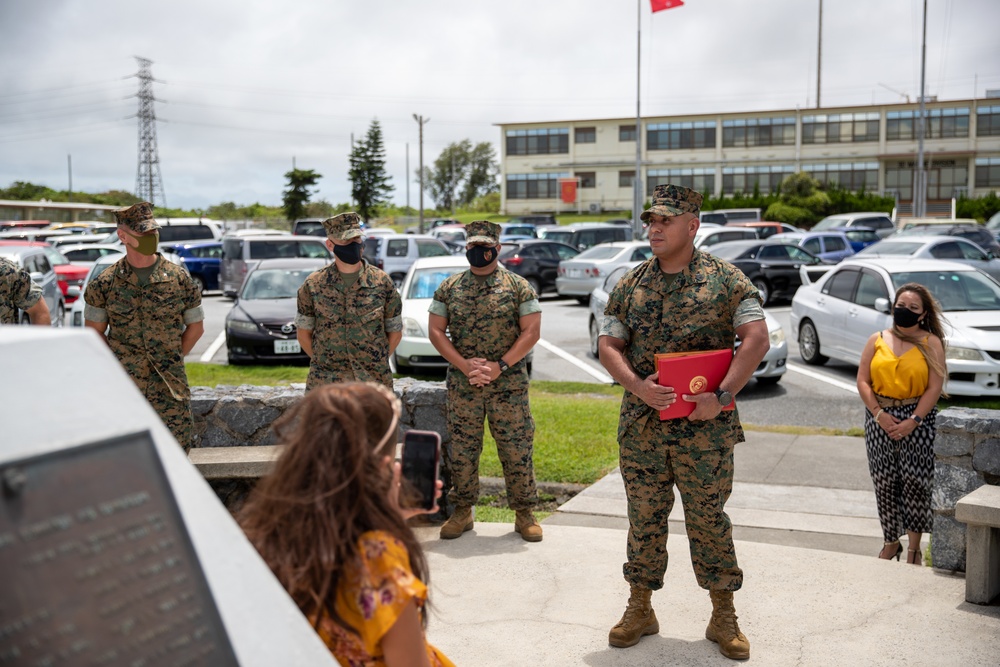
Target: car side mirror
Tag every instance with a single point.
(882, 305)
(37, 277)
(73, 292)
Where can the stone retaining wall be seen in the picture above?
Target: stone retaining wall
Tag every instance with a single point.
(967, 456)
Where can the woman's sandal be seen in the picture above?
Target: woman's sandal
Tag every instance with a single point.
(899, 550)
(914, 556)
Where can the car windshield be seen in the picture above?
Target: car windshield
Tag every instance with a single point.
(827, 223)
(599, 252)
(726, 251)
(519, 230)
(562, 235)
(891, 248)
(275, 283)
(861, 235)
(955, 290)
(426, 281)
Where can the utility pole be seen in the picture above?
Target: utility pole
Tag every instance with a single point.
(407, 176)
(637, 180)
(420, 121)
(69, 168)
(819, 53)
(920, 189)
(148, 181)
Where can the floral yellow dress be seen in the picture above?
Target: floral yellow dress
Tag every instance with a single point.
(370, 597)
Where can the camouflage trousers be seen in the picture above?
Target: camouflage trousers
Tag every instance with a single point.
(512, 427)
(175, 414)
(652, 463)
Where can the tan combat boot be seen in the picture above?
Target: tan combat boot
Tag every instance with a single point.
(638, 620)
(461, 521)
(526, 524)
(723, 629)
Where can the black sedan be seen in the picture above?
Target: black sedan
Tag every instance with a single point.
(261, 325)
(772, 267)
(536, 260)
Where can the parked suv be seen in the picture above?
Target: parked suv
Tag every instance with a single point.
(973, 232)
(396, 253)
(202, 261)
(536, 260)
(309, 227)
(537, 220)
(880, 222)
(588, 234)
(34, 260)
(240, 254)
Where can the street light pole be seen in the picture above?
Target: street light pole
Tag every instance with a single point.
(920, 189)
(420, 121)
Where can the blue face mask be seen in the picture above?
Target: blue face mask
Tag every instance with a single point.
(348, 254)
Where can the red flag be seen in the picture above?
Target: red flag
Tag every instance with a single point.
(567, 190)
(658, 5)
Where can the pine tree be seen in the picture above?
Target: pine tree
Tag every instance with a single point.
(370, 186)
(295, 198)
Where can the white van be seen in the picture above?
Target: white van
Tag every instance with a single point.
(181, 230)
(240, 254)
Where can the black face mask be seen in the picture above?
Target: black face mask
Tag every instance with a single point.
(348, 254)
(481, 255)
(904, 317)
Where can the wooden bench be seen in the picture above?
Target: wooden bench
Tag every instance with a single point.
(980, 512)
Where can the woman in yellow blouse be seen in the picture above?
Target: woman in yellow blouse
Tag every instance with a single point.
(327, 521)
(900, 378)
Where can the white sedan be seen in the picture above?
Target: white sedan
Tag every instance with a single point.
(422, 280)
(770, 369)
(578, 277)
(952, 248)
(835, 316)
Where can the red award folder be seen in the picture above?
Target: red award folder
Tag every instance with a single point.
(691, 373)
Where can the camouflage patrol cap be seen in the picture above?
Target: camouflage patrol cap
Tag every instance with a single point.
(138, 217)
(483, 231)
(343, 227)
(671, 200)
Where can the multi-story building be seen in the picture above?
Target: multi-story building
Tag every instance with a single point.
(872, 148)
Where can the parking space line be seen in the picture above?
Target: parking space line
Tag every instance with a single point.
(213, 348)
(853, 388)
(559, 352)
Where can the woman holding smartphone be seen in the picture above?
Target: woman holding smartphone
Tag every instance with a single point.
(328, 522)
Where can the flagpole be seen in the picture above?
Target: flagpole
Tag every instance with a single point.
(637, 180)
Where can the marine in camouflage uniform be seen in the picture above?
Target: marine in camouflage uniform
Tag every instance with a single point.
(650, 311)
(17, 291)
(493, 320)
(349, 321)
(153, 316)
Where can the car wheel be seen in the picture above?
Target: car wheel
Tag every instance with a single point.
(809, 345)
(535, 285)
(583, 300)
(199, 283)
(595, 334)
(397, 279)
(59, 318)
(769, 380)
(763, 288)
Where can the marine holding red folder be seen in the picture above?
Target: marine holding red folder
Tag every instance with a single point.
(667, 337)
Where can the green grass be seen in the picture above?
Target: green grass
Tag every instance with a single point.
(212, 375)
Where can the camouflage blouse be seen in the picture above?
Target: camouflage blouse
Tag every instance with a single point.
(16, 291)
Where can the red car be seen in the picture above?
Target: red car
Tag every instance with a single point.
(69, 274)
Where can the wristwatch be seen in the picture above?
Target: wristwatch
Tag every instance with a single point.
(917, 418)
(725, 398)
(503, 366)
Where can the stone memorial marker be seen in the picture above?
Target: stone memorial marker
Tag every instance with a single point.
(113, 549)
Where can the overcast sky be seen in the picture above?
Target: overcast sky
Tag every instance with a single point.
(247, 85)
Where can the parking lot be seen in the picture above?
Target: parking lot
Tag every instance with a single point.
(805, 396)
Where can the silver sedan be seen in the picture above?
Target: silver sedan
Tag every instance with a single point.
(578, 277)
(952, 248)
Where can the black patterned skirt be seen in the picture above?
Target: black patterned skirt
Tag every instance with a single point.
(903, 474)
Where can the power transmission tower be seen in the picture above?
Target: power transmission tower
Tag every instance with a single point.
(148, 181)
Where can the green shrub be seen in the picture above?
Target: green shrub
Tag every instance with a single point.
(792, 215)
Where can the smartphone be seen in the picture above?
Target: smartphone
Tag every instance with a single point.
(421, 461)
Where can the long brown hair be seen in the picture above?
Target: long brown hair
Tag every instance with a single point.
(932, 322)
(329, 486)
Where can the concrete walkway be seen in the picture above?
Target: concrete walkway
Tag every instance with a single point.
(814, 593)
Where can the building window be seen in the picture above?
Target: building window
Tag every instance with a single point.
(751, 132)
(745, 179)
(534, 186)
(626, 133)
(944, 178)
(702, 180)
(853, 176)
(840, 128)
(674, 136)
(588, 179)
(626, 179)
(988, 121)
(988, 171)
(941, 124)
(538, 142)
(585, 135)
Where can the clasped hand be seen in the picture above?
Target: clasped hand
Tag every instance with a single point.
(479, 371)
(659, 397)
(897, 429)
